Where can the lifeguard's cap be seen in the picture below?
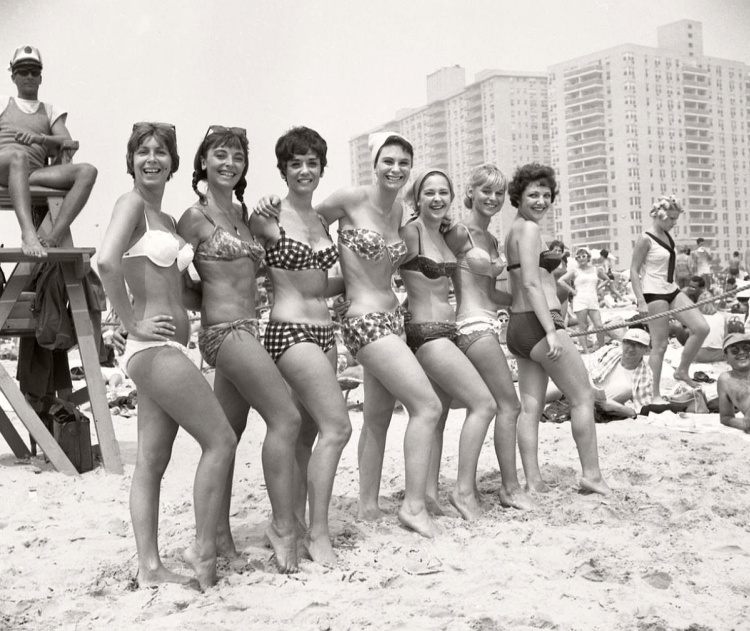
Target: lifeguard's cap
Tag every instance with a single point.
(25, 56)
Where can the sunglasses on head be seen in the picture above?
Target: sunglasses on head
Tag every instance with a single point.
(220, 129)
(25, 72)
(150, 126)
(736, 349)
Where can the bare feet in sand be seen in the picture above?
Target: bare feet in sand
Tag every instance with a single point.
(537, 486)
(31, 246)
(595, 486)
(204, 567)
(150, 578)
(284, 548)
(468, 505)
(516, 498)
(321, 550)
(685, 377)
(434, 507)
(419, 522)
(369, 513)
(225, 546)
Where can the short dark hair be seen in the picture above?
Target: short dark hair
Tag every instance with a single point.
(699, 280)
(700, 240)
(398, 141)
(298, 141)
(556, 243)
(604, 253)
(165, 136)
(529, 174)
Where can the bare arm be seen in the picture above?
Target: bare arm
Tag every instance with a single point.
(336, 205)
(726, 405)
(639, 257)
(126, 217)
(570, 275)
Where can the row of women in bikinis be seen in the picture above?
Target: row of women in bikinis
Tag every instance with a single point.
(440, 355)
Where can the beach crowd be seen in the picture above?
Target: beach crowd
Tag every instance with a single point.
(460, 338)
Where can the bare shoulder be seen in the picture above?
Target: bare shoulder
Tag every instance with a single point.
(457, 238)
(130, 202)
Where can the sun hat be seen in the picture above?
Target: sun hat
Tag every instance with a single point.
(25, 56)
(734, 338)
(637, 335)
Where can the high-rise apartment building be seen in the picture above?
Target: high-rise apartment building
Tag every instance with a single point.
(632, 123)
(501, 118)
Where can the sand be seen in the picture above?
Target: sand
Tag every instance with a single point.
(669, 550)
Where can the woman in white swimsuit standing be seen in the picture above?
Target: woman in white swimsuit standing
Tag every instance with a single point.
(141, 249)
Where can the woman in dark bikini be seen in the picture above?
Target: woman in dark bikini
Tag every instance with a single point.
(142, 249)
(431, 335)
(300, 336)
(227, 258)
(536, 336)
(479, 330)
(652, 276)
(369, 219)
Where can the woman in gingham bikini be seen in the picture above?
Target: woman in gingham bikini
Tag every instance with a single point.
(299, 336)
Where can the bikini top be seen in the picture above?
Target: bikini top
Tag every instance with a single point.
(548, 260)
(292, 255)
(161, 247)
(672, 255)
(479, 261)
(371, 245)
(224, 246)
(429, 267)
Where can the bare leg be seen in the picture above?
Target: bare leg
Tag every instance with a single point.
(570, 375)
(699, 329)
(14, 172)
(432, 495)
(488, 358)
(79, 179)
(393, 364)
(659, 331)
(447, 366)
(583, 324)
(312, 375)
(165, 375)
(247, 376)
(378, 409)
(532, 385)
(596, 319)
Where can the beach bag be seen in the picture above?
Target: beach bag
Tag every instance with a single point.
(735, 325)
(72, 431)
(54, 322)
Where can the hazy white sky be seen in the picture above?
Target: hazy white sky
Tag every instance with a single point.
(338, 66)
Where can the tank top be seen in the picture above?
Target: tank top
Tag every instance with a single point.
(13, 119)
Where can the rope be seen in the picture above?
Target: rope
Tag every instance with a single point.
(656, 316)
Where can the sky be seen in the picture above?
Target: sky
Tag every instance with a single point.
(342, 67)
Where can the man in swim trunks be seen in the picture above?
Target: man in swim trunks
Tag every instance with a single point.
(734, 384)
(30, 131)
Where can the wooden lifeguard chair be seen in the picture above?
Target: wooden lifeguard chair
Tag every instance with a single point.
(16, 319)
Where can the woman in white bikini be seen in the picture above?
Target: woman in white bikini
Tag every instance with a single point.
(142, 252)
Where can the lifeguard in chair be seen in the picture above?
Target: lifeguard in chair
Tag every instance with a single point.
(30, 132)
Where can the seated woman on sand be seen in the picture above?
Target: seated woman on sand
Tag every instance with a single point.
(300, 333)
(141, 248)
(536, 333)
(431, 334)
(652, 278)
(480, 332)
(227, 258)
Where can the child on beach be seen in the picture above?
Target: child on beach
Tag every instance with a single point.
(734, 384)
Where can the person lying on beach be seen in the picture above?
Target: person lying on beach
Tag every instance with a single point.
(733, 386)
(621, 376)
(29, 131)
